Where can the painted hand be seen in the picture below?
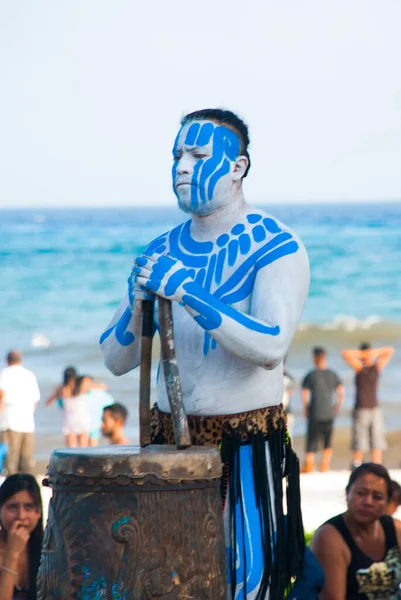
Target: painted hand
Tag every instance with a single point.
(137, 291)
(163, 275)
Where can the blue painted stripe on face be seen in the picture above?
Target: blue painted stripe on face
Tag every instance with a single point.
(178, 279)
(259, 233)
(188, 243)
(289, 248)
(271, 225)
(194, 184)
(220, 266)
(237, 229)
(224, 169)
(192, 134)
(210, 165)
(210, 272)
(244, 241)
(231, 144)
(232, 252)
(187, 259)
(248, 263)
(254, 218)
(222, 240)
(205, 133)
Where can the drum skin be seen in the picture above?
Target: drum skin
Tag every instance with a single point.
(129, 523)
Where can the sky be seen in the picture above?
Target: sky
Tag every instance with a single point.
(92, 91)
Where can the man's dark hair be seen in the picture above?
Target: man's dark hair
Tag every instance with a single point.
(374, 469)
(70, 374)
(224, 117)
(14, 357)
(118, 411)
(319, 351)
(395, 495)
(365, 346)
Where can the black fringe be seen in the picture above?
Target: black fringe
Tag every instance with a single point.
(283, 545)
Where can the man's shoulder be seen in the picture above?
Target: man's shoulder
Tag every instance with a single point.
(272, 224)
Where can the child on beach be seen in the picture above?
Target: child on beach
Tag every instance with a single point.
(395, 498)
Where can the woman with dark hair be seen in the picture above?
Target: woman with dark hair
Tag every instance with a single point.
(359, 550)
(21, 532)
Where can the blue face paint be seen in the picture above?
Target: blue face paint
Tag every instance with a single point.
(204, 174)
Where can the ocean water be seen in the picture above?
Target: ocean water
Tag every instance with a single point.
(63, 273)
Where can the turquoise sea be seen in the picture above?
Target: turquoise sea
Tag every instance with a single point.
(63, 272)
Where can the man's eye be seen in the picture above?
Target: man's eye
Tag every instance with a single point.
(199, 155)
(177, 157)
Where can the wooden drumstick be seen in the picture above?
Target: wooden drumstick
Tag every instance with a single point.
(171, 375)
(148, 308)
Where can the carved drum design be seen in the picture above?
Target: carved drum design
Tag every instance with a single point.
(130, 523)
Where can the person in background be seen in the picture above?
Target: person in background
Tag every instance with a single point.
(21, 533)
(286, 401)
(359, 550)
(113, 422)
(367, 427)
(322, 397)
(19, 397)
(395, 498)
(96, 399)
(66, 389)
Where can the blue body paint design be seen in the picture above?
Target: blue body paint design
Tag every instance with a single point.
(223, 240)
(178, 279)
(271, 225)
(153, 246)
(200, 278)
(124, 338)
(221, 259)
(254, 218)
(191, 245)
(187, 259)
(210, 273)
(232, 252)
(207, 171)
(259, 233)
(244, 241)
(237, 229)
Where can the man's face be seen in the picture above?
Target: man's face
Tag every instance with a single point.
(204, 159)
(367, 357)
(367, 498)
(109, 424)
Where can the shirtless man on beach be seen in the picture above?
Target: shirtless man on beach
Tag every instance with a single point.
(238, 280)
(367, 426)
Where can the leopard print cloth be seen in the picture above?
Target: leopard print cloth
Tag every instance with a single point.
(206, 431)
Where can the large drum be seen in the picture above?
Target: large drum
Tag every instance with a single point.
(130, 523)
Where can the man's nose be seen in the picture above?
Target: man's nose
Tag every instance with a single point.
(184, 166)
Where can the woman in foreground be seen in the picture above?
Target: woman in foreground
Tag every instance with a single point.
(21, 532)
(359, 550)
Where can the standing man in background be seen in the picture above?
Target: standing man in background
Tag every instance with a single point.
(318, 389)
(19, 395)
(368, 426)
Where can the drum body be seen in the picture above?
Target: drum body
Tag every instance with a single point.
(128, 523)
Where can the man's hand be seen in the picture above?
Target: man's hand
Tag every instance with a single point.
(163, 276)
(135, 290)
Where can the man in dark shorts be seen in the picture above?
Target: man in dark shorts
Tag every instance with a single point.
(367, 427)
(318, 389)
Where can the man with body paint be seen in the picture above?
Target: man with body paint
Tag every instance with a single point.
(238, 280)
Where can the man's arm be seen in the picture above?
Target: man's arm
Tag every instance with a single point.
(1, 400)
(383, 356)
(329, 549)
(339, 399)
(353, 359)
(121, 342)
(305, 401)
(277, 297)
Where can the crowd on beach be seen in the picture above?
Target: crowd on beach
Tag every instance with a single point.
(351, 551)
(89, 412)
(322, 399)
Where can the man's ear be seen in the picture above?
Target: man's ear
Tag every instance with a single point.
(240, 167)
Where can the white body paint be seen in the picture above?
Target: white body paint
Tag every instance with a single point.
(244, 371)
